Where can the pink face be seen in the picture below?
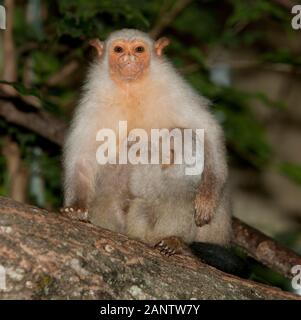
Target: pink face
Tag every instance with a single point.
(129, 60)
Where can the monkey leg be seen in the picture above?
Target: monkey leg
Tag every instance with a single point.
(79, 185)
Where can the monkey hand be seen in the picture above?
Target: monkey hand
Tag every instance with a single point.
(204, 210)
(76, 213)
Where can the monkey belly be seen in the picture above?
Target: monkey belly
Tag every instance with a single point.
(151, 223)
(162, 205)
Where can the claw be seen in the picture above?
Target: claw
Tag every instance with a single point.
(160, 244)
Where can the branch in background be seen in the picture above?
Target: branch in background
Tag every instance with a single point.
(165, 19)
(9, 92)
(27, 47)
(66, 259)
(245, 64)
(288, 4)
(264, 249)
(17, 171)
(65, 72)
(10, 56)
(41, 122)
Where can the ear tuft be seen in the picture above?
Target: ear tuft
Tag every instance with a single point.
(160, 45)
(98, 45)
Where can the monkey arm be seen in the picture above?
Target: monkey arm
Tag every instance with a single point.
(213, 181)
(80, 167)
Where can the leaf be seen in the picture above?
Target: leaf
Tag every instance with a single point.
(292, 171)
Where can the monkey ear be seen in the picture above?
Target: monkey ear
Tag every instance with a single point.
(160, 44)
(98, 45)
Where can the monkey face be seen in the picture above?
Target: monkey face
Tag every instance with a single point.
(129, 60)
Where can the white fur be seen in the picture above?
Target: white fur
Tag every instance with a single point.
(161, 100)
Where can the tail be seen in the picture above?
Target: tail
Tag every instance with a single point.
(221, 258)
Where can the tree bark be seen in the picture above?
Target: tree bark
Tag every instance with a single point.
(46, 255)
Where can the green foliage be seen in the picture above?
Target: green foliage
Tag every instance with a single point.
(292, 171)
(200, 19)
(253, 10)
(48, 169)
(282, 56)
(94, 17)
(264, 275)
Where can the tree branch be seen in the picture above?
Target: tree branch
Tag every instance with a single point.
(61, 76)
(17, 170)
(288, 4)
(264, 249)
(47, 256)
(9, 52)
(168, 17)
(39, 121)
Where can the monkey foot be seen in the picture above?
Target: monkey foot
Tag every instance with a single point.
(74, 213)
(170, 246)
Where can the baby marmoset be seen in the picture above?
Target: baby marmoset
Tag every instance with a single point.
(131, 81)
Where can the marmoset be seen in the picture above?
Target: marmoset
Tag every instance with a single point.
(131, 80)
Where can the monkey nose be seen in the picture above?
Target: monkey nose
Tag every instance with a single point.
(132, 58)
(128, 59)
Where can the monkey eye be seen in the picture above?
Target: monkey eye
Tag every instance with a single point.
(139, 49)
(118, 49)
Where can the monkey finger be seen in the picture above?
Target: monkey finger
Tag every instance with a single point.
(79, 214)
(160, 244)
